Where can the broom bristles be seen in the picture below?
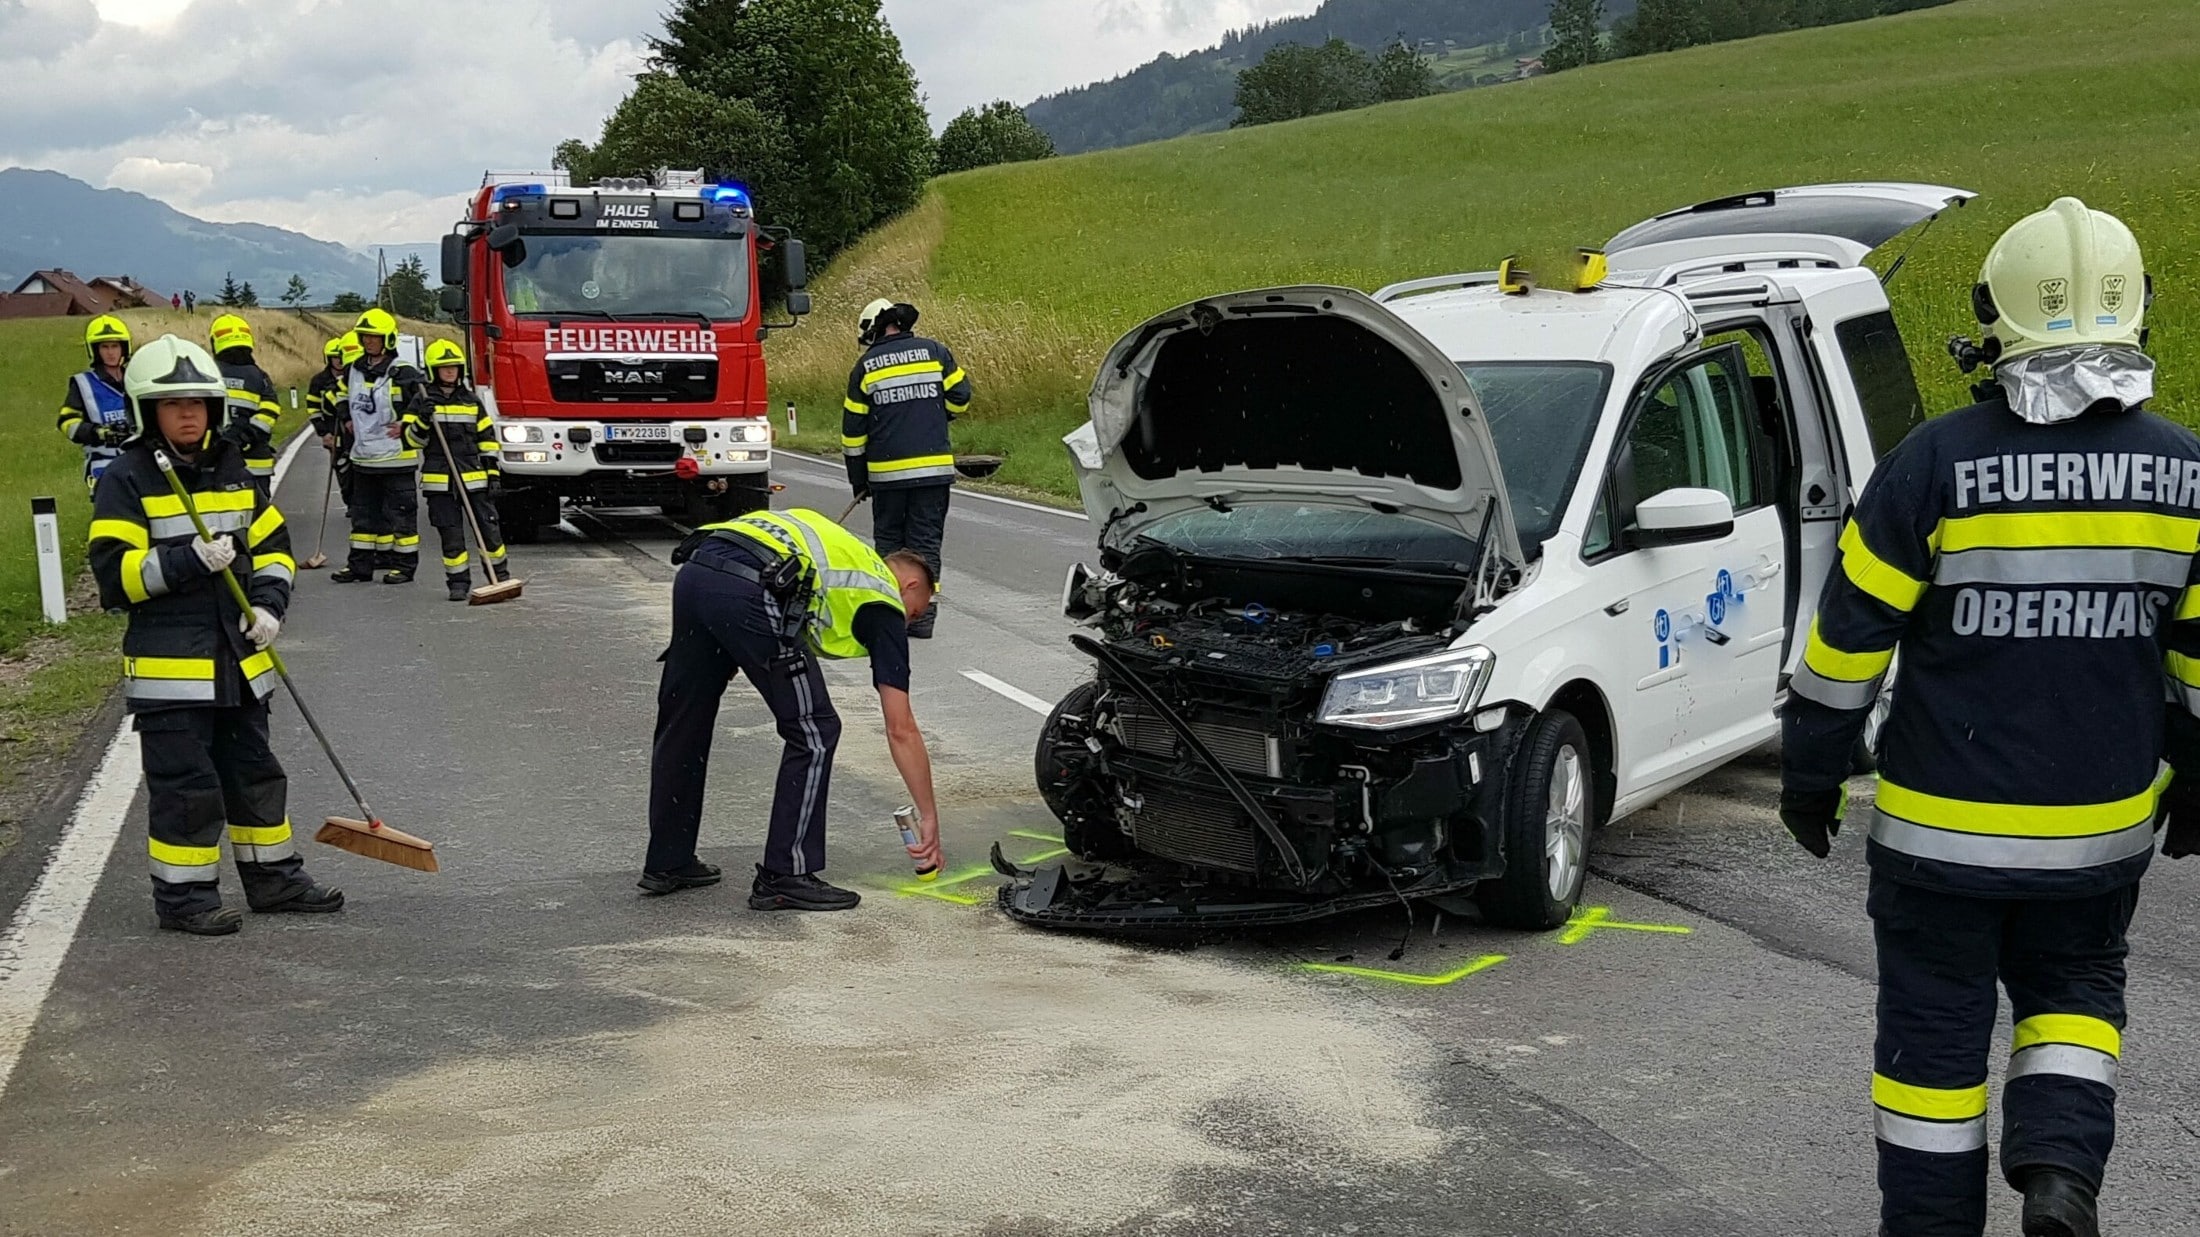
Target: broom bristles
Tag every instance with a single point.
(491, 594)
(379, 841)
(315, 563)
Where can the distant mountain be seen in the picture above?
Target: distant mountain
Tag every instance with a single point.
(1174, 95)
(49, 220)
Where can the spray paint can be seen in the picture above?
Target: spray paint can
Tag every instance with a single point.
(905, 819)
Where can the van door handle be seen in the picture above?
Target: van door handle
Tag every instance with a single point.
(1617, 608)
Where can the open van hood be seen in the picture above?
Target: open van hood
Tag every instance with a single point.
(1304, 394)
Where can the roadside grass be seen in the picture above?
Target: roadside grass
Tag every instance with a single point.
(1029, 271)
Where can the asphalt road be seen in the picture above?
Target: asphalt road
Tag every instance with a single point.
(523, 1045)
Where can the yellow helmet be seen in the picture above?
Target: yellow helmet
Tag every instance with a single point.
(443, 352)
(2065, 277)
(171, 368)
(333, 350)
(230, 331)
(349, 342)
(378, 322)
(106, 329)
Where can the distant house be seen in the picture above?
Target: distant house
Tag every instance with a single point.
(58, 294)
(1527, 67)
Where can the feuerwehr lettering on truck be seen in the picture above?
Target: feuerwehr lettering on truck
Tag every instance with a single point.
(628, 341)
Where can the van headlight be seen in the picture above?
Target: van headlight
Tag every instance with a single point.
(1409, 693)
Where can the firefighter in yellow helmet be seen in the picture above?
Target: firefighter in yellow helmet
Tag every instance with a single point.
(385, 508)
(458, 448)
(197, 670)
(328, 397)
(94, 412)
(2044, 536)
(253, 409)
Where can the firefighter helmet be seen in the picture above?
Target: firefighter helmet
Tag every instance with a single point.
(881, 314)
(230, 331)
(106, 329)
(2065, 277)
(349, 340)
(171, 368)
(378, 322)
(333, 350)
(443, 352)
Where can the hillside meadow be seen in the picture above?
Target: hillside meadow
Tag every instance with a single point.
(1029, 271)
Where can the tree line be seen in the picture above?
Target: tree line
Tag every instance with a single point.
(1577, 26)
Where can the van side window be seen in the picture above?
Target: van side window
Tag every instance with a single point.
(1697, 428)
(1879, 365)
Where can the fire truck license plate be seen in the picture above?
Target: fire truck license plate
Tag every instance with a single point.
(637, 433)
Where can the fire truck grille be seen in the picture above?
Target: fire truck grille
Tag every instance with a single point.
(638, 452)
(1194, 829)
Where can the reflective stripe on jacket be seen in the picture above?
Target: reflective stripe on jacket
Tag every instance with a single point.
(847, 574)
(2041, 585)
(893, 427)
(93, 403)
(466, 427)
(183, 647)
(253, 412)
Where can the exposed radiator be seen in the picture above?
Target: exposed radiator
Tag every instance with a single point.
(1240, 749)
(1194, 829)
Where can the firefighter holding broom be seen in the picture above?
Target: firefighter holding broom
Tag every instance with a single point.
(198, 667)
(459, 469)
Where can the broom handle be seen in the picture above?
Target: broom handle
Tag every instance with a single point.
(458, 483)
(244, 603)
(850, 509)
(328, 487)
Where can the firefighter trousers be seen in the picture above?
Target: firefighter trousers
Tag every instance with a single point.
(722, 624)
(209, 772)
(450, 524)
(1940, 955)
(385, 520)
(912, 517)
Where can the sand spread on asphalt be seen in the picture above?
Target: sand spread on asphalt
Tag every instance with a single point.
(912, 1068)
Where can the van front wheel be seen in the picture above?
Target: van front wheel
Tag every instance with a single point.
(1549, 808)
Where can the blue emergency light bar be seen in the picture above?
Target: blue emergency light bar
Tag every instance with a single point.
(726, 195)
(502, 192)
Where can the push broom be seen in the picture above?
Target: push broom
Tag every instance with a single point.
(507, 589)
(320, 543)
(369, 837)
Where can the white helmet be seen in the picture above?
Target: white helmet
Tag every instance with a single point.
(867, 321)
(171, 368)
(2068, 276)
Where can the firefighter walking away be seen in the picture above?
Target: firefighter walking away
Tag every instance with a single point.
(458, 440)
(196, 670)
(902, 393)
(253, 408)
(2044, 536)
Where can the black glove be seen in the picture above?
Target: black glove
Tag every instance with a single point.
(113, 435)
(1814, 817)
(496, 483)
(2181, 808)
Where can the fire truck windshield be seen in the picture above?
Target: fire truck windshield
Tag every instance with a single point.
(632, 276)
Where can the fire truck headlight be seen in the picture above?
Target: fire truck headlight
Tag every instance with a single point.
(755, 433)
(521, 433)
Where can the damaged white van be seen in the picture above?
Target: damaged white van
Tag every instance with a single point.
(1404, 596)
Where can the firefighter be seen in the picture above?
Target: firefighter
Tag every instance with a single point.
(253, 409)
(768, 594)
(448, 404)
(196, 672)
(329, 396)
(385, 507)
(2045, 536)
(893, 434)
(94, 412)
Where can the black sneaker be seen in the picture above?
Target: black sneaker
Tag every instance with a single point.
(2057, 1204)
(693, 876)
(776, 892)
(315, 900)
(397, 577)
(922, 628)
(221, 921)
(456, 590)
(345, 575)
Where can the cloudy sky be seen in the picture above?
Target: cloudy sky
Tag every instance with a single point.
(366, 121)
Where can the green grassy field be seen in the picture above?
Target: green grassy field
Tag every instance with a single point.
(1030, 271)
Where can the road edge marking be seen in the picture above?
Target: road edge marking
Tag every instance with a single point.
(1009, 690)
(45, 925)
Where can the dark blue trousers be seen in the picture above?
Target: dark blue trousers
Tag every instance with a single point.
(722, 624)
(1940, 955)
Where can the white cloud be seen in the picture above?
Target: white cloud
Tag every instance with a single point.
(367, 121)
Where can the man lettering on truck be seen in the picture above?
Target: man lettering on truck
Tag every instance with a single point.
(893, 434)
(2046, 537)
(767, 595)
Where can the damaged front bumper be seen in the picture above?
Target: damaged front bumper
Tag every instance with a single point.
(1101, 898)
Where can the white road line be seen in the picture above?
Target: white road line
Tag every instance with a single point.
(45, 925)
(1010, 690)
(1042, 508)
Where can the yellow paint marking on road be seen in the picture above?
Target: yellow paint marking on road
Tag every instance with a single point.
(1590, 919)
(1483, 963)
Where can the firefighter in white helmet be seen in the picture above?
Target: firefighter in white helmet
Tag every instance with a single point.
(2048, 536)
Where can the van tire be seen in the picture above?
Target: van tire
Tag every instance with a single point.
(1089, 828)
(1539, 831)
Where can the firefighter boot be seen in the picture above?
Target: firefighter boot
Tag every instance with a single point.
(397, 575)
(313, 900)
(346, 575)
(455, 587)
(220, 921)
(2057, 1204)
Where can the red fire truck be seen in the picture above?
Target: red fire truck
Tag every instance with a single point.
(616, 331)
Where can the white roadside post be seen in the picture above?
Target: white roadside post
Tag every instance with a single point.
(792, 428)
(48, 523)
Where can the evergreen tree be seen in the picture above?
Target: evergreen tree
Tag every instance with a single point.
(1293, 80)
(1576, 34)
(1401, 73)
(998, 133)
(232, 296)
(348, 303)
(406, 292)
(295, 294)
